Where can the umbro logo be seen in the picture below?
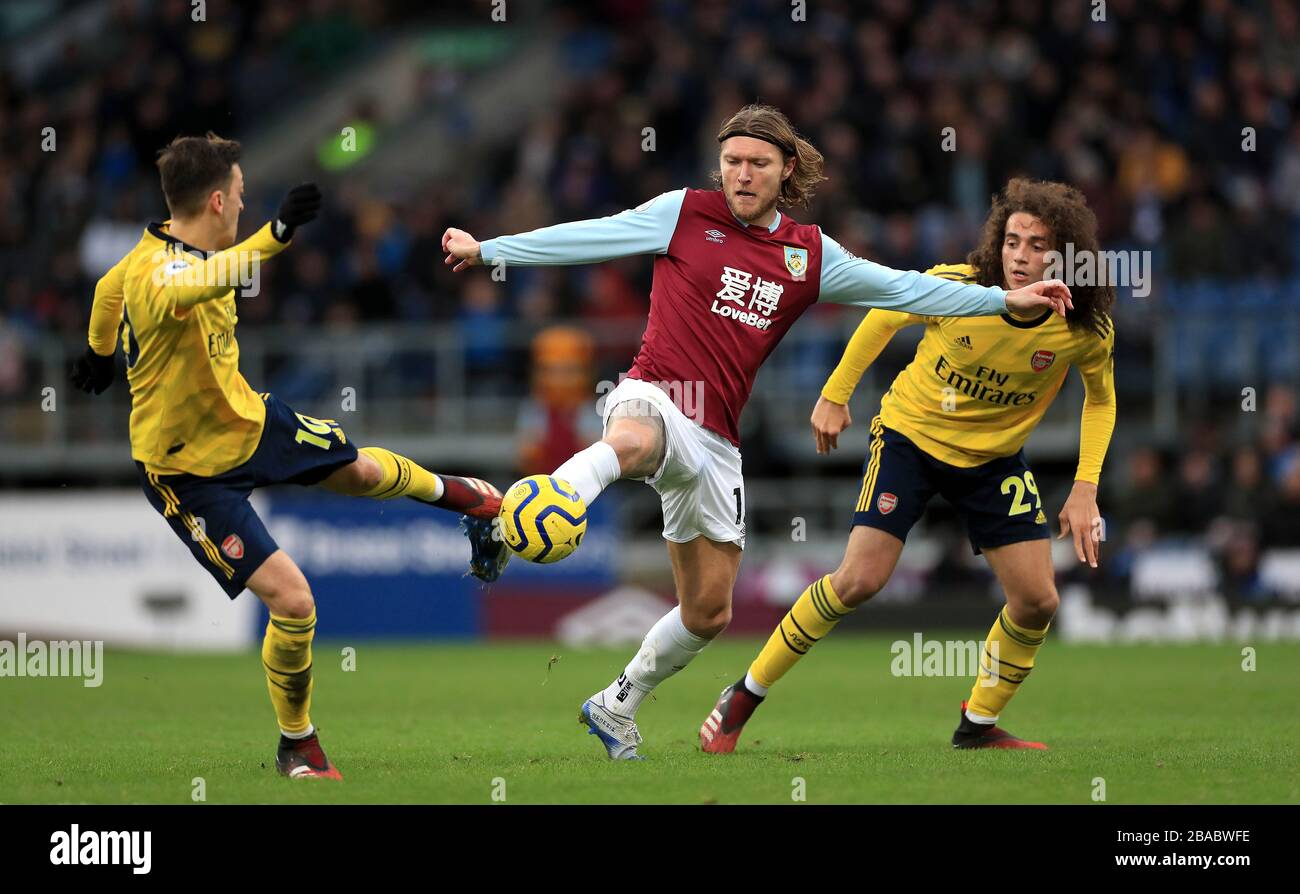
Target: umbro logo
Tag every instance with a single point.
(963, 341)
(714, 236)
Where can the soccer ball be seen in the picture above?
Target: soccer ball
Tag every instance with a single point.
(543, 518)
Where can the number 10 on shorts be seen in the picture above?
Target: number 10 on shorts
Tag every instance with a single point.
(314, 430)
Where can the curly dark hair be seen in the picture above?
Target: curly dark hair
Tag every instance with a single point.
(1065, 212)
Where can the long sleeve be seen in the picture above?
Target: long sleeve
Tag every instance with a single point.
(185, 282)
(873, 333)
(106, 311)
(644, 230)
(846, 279)
(1099, 406)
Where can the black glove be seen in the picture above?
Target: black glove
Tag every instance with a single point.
(92, 372)
(300, 206)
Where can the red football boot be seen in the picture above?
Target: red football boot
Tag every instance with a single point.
(304, 759)
(722, 728)
(983, 735)
(469, 496)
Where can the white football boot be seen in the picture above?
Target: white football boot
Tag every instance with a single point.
(617, 733)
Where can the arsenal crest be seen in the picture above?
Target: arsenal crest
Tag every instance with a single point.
(1042, 360)
(233, 547)
(886, 503)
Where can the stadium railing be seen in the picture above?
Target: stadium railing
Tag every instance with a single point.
(440, 391)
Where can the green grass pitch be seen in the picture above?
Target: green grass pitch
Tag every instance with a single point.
(458, 723)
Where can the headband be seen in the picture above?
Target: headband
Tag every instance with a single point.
(788, 150)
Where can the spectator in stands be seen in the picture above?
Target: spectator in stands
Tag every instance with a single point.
(1144, 496)
(1280, 519)
(1248, 490)
(1239, 564)
(560, 418)
(1198, 499)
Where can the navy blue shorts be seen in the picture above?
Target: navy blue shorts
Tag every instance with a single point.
(998, 500)
(213, 517)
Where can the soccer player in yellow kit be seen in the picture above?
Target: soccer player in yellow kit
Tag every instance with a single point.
(203, 439)
(954, 423)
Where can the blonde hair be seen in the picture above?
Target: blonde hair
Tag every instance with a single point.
(770, 124)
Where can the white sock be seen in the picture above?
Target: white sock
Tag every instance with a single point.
(438, 490)
(980, 718)
(591, 470)
(311, 728)
(666, 649)
(754, 686)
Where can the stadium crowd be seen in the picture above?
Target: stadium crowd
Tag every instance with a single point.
(1180, 121)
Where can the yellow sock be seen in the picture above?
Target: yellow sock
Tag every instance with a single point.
(402, 478)
(286, 658)
(1005, 660)
(813, 616)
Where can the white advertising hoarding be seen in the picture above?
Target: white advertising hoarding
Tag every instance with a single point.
(103, 565)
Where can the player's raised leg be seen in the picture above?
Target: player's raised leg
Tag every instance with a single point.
(633, 446)
(869, 561)
(1025, 571)
(286, 660)
(704, 572)
(383, 475)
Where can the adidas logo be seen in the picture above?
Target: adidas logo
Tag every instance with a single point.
(711, 724)
(483, 487)
(963, 342)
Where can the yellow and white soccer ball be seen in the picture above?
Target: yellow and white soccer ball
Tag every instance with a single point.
(543, 518)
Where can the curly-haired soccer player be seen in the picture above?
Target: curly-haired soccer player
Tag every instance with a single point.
(953, 423)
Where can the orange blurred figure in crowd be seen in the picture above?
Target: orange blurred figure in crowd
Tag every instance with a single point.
(552, 425)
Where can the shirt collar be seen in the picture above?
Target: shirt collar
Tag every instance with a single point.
(776, 221)
(156, 230)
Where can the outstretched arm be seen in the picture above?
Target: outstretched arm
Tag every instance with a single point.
(831, 413)
(186, 283)
(850, 280)
(644, 230)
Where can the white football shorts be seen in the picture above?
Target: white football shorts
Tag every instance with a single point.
(700, 484)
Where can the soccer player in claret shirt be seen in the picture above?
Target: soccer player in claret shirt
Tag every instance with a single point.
(202, 439)
(731, 275)
(954, 423)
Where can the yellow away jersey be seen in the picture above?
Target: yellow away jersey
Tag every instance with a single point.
(978, 385)
(174, 305)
